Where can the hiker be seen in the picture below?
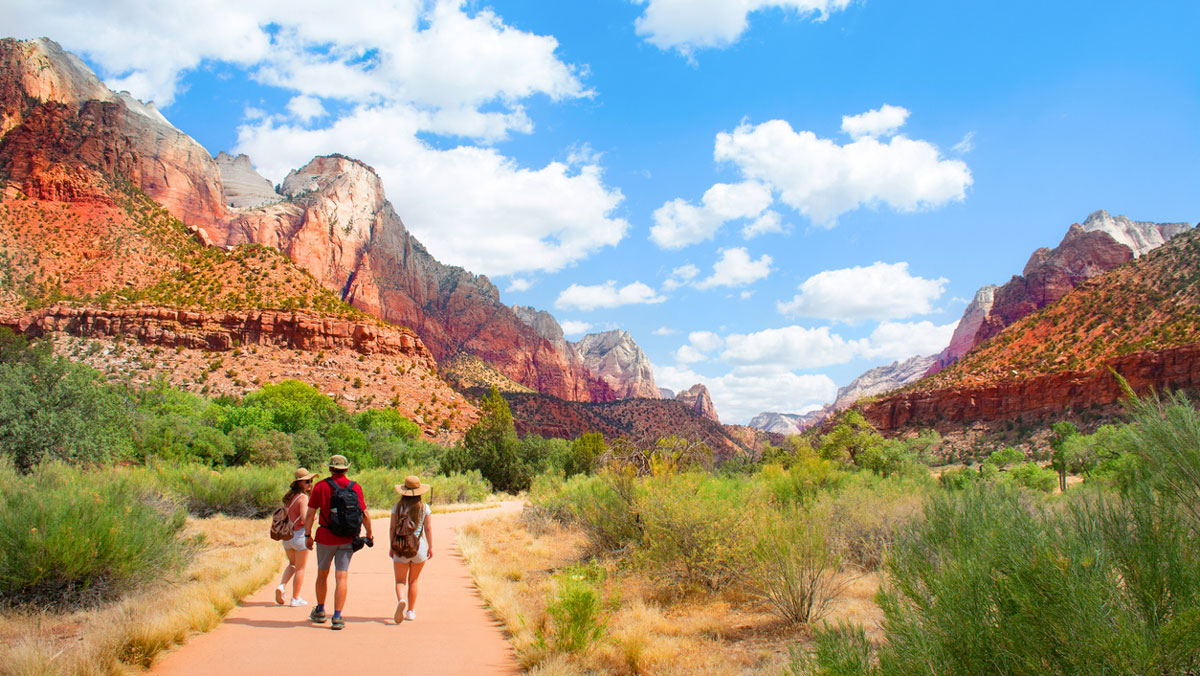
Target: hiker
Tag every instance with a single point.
(296, 501)
(343, 513)
(411, 544)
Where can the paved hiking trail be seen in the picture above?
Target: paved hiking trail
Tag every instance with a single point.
(453, 632)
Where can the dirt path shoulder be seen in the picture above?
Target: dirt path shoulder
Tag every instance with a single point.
(453, 633)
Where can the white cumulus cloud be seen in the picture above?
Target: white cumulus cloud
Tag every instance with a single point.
(575, 328)
(788, 348)
(681, 276)
(705, 341)
(518, 284)
(769, 222)
(741, 393)
(606, 295)
(736, 268)
(678, 223)
(665, 331)
(822, 179)
(883, 121)
(688, 25)
(901, 340)
(394, 71)
(879, 291)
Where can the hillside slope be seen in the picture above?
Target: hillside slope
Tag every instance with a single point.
(1141, 319)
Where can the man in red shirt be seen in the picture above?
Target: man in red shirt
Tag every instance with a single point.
(332, 548)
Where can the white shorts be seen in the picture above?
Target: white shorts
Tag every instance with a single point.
(297, 541)
(422, 554)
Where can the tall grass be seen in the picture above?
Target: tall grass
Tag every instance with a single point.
(70, 538)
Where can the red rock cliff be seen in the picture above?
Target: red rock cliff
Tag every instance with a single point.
(337, 224)
(1041, 395)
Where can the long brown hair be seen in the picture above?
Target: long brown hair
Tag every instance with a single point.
(293, 491)
(411, 504)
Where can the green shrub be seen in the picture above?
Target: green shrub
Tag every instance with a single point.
(249, 491)
(255, 446)
(74, 538)
(694, 528)
(602, 505)
(293, 405)
(53, 409)
(574, 608)
(1032, 476)
(389, 422)
(839, 650)
(792, 567)
(989, 583)
(958, 478)
(379, 487)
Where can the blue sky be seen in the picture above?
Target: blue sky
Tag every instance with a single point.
(771, 195)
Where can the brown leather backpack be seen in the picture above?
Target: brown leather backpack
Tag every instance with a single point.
(282, 527)
(406, 536)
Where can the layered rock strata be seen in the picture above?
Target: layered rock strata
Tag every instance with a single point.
(242, 186)
(1042, 395)
(223, 331)
(882, 379)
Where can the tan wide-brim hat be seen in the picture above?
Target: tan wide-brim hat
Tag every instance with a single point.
(412, 486)
(339, 462)
(304, 475)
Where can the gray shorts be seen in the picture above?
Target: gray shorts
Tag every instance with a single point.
(297, 541)
(338, 554)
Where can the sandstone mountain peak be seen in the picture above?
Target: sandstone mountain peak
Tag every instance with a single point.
(618, 360)
(696, 398)
(542, 322)
(883, 379)
(1139, 236)
(1100, 244)
(244, 187)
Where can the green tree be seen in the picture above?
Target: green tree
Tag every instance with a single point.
(389, 422)
(51, 408)
(492, 443)
(586, 450)
(848, 438)
(1063, 431)
(294, 405)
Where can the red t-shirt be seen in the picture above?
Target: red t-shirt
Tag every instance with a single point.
(320, 500)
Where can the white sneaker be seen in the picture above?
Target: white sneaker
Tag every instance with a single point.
(410, 615)
(298, 602)
(279, 592)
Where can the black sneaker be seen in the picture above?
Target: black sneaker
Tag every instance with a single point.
(337, 623)
(317, 616)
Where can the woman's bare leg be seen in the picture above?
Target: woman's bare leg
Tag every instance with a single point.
(414, 572)
(401, 571)
(299, 561)
(291, 567)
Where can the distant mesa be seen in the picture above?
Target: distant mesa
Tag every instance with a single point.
(665, 393)
(788, 423)
(882, 379)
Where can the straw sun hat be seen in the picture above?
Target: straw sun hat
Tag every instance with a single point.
(304, 475)
(412, 486)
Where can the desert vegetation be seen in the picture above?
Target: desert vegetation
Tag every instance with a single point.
(847, 553)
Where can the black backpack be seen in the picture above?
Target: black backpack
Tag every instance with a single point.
(345, 513)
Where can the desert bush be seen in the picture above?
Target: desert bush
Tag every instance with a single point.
(310, 449)
(989, 582)
(74, 538)
(53, 409)
(379, 487)
(388, 422)
(346, 440)
(249, 491)
(958, 478)
(602, 505)
(1165, 437)
(694, 528)
(256, 446)
(806, 477)
(574, 608)
(585, 453)
(293, 405)
(792, 566)
(1032, 476)
(869, 513)
(838, 650)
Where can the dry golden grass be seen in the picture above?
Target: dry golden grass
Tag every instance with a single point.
(126, 637)
(648, 631)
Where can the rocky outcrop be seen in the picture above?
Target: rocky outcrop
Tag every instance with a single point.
(618, 361)
(665, 393)
(53, 110)
(789, 423)
(243, 187)
(1140, 237)
(696, 398)
(1098, 245)
(336, 223)
(1044, 395)
(223, 331)
(882, 379)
